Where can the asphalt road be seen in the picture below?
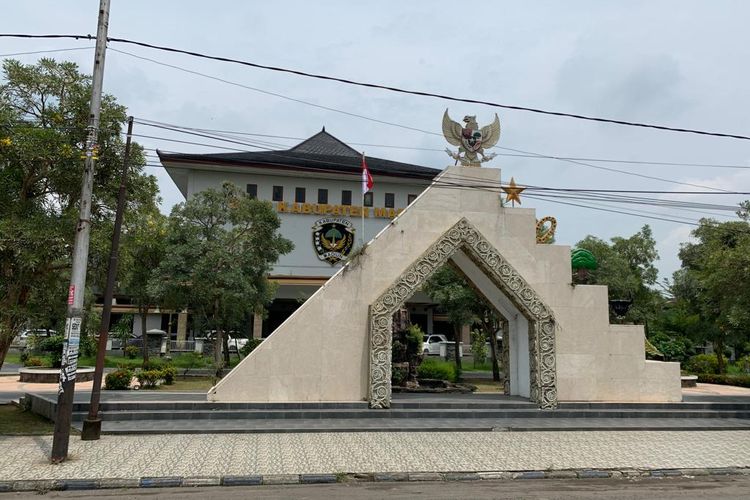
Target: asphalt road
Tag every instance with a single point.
(724, 487)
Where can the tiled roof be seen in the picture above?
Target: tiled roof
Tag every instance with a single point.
(321, 152)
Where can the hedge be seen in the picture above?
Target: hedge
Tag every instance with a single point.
(738, 380)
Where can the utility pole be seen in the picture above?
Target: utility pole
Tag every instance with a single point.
(92, 426)
(61, 436)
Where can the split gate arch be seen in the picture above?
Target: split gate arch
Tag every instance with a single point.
(465, 237)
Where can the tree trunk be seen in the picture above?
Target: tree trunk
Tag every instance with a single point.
(5, 342)
(456, 341)
(719, 350)
(218, 356)
(144, 337)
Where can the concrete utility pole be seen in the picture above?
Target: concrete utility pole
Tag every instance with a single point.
(92, 426)
(74, 318)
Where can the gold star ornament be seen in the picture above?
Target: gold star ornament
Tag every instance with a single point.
(512, 192)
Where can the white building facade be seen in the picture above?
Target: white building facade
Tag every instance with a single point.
(315, 188)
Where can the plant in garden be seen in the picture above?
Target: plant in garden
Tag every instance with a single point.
(118, 380)
(703, 363)
(220, 247)
(250, 346)
(437, 369)
(478, 347)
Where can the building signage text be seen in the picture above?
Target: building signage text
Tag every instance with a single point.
(337, 210)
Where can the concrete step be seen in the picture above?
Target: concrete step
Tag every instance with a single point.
(410, 413)
(417, 425)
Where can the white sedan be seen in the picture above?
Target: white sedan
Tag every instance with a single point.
(431, 343)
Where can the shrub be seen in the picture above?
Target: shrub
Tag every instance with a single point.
(399, 373)
(34, 361)
(743, 364)
(190, 360)
(250, 346)
(118, 380)
(702, 363)
(131, 351)
(52, 347)
(414, 337)
(436, 369)
(168, 373)
(478, 347)
(148, 378)
(712, 378)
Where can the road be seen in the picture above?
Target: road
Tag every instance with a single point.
(724, 487)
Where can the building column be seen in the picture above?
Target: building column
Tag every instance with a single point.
(258, 325)
(181, 326)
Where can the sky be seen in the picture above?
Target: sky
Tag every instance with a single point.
(675, 63)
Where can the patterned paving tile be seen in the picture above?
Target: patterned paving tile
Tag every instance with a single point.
(245, 454)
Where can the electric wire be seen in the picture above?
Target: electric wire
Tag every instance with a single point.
(45, 51)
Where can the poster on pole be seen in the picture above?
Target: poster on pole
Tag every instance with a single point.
(70, 350)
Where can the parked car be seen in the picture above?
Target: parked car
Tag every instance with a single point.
(431, 343)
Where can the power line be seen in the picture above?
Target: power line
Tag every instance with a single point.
(394, 89)
(45, 51)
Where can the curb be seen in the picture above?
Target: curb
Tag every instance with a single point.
(45, 485)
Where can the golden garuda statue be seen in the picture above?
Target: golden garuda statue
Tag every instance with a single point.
(471, 140)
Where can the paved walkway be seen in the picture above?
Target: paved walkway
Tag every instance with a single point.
(25, 458)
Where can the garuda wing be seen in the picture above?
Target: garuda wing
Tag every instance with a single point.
(490, 133)
(451, 130)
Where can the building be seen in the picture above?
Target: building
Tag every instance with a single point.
(315, 188)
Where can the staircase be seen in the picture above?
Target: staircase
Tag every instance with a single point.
(178, 413)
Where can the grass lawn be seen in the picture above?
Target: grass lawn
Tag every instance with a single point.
(13, 357)
(485, 385)
(189, 384)
(16, 422)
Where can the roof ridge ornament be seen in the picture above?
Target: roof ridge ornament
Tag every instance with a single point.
(471, 140)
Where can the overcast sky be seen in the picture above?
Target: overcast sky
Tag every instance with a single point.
(675, 63)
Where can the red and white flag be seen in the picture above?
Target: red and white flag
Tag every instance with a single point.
(366, 177)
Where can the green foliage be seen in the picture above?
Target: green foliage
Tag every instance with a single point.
(168, 373)
(148, 378)
(414, 337)
(399, 373)
(626, 266)
(131, 351)
(724, 379)
(43, 120)
(437, 369)
(478, 347)
(35, 361)
(673, 348)
(250, 346)
(712, 285)
(190, 360)
(51, 347)
(220, 247)
(702, 363)
(118, 380)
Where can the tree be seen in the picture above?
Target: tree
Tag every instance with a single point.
(714, 283)
(220, 247)
(447, 288)
(143, 249)
(627, 267)
(43, 120)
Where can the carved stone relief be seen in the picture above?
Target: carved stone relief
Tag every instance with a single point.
(463, 236)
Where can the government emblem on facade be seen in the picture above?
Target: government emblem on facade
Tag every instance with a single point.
(471, 140)
(333, 239)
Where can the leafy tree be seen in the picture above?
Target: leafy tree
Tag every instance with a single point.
(143, 249)
(43, 120)
(220, 247)
(626, 266)
(713, 283)
(447, 288)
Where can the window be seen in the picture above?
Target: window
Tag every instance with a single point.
(410, 199)
(278, 193)
(299, 195)
(368, 199)
(346, 197)
(390, 200)
(322, 196)
(252, 190)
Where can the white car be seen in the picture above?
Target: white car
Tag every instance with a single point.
(236, 343)
(431, 343)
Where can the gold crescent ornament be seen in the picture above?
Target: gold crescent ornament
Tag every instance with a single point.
(544, 234)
